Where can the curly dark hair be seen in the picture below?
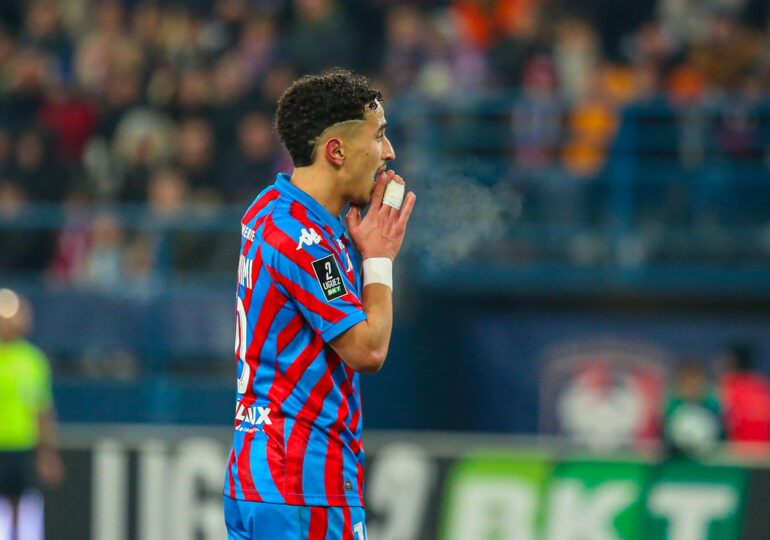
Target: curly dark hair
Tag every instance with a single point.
(314, 102)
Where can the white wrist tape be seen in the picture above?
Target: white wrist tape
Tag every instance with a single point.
(378, 270)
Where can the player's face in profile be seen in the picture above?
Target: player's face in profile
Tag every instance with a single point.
(371, 150)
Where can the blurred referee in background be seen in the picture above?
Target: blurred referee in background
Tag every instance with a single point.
(27, 420)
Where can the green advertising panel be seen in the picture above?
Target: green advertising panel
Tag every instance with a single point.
(595, 500)
(532, 496)
(495, 497)
(691, 501)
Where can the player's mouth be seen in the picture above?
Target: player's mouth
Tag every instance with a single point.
(380, 171)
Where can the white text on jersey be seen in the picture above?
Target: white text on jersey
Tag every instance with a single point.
(247, 232)
(254, 415)
(245, 266)
(342, 248)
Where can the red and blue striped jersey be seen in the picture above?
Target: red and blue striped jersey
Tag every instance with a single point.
(298, 408)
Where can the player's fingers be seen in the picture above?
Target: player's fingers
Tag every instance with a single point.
(379, 189)
(406, 208)
(387, 210)
(353, 217)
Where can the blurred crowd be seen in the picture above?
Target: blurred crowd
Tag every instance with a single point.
(168, 105)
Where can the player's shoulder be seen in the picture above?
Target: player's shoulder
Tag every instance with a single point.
(261, 205)
(27, 347)
(289, 223)
(31, 353)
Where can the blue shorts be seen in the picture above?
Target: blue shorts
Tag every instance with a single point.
(247, 520)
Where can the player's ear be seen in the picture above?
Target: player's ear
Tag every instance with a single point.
(334, 151)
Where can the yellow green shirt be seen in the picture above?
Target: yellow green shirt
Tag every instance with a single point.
(25, 392)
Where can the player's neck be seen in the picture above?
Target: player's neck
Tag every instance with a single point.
(321, 186)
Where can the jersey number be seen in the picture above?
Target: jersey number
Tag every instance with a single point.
(359, 528)
(240, 346)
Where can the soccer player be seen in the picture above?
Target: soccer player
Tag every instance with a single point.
(309, 318)
(27, 421)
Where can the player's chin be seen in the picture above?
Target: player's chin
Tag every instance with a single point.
(363, 200)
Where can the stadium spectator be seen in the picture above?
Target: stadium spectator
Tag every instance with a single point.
(22, 250)
(195, 156)
(144, 139)
(537, 116)
(145, 27)
(27, 416)
(686, 85)
(168, 192)
(27, 79)
(103, 46)
(231, 100)
(122, 92)
(650, 49)
(509, 57)
(688, 21)
(593, 121)
(143, 273)
(103, 266)
(692, 422)
(43, 29)
(194, 99)
(729, 52)
(321, 21)
(252, 161)
(7, 50)
(36, 169)
(406, 49)
(483, 23)
(72, 241)
(150, 253)
(745, 393)
(620, 83)
(6, 152)
(278, 78)
(576, 57)
(258, 48)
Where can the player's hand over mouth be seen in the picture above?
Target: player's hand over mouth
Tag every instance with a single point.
(381, 232)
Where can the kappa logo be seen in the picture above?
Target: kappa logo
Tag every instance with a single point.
(308, 237)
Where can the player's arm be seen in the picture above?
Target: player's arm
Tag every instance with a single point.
(377, 236)
(364, 346)
(49, 464)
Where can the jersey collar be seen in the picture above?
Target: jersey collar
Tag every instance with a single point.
(286, 188)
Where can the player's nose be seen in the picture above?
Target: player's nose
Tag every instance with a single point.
(388, 154)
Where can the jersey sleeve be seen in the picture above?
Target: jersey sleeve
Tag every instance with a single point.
(310, 274)
(44, 382)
